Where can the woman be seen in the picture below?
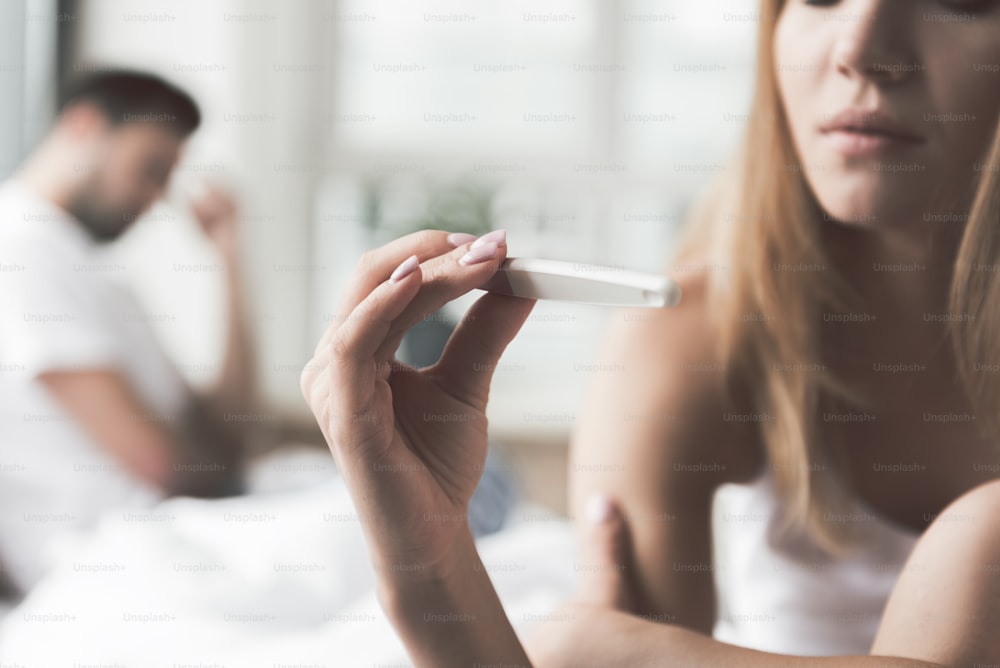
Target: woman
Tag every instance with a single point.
(834, 353)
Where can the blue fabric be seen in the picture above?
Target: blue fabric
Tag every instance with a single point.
(494, 498)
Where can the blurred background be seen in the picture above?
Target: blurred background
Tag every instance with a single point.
(579, 126)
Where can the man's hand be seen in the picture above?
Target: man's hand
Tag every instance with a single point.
(217, 215)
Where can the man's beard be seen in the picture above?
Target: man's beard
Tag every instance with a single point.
(102, 224)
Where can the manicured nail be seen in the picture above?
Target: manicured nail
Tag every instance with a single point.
(457, 239)
(497, 237)
(478, 254)
(405, 269)
(598, 510)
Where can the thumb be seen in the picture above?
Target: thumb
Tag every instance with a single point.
(472, 352)
(605, 550)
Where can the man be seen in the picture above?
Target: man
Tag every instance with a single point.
(93, 415)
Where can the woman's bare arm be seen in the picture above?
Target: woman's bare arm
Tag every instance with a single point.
(648, 644)
(653, 434)
(946, 602)
(943, 610)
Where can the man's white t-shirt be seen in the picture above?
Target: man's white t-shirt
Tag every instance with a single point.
(61, 309)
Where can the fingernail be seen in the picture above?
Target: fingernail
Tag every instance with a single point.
(457, 239)
(497, 237)
(598, 510)
(479, 254)
(405, 269)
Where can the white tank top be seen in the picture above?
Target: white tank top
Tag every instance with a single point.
(780, 593)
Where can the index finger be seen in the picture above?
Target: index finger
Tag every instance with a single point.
(376, 265)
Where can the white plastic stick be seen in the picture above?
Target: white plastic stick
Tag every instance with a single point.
(583, 283)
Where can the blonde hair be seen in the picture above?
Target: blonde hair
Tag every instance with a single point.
(770, 281)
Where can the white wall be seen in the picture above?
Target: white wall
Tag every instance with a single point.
(598, 120)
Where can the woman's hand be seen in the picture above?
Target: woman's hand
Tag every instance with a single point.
(597, 627)
(411, 443)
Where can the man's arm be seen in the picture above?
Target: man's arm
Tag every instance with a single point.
(7, 589)
(191, 456)
(231, 402)
(233, 399)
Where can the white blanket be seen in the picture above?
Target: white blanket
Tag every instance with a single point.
(271, 580)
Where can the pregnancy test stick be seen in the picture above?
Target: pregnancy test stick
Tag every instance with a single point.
(582, 283)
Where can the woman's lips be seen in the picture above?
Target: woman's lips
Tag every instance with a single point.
(860, 132)
(853, 143)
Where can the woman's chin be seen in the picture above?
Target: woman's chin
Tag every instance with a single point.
(878, 215)
(887, 202)
(920, 223)
(852, 218)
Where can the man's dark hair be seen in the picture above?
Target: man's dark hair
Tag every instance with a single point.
(126, 96)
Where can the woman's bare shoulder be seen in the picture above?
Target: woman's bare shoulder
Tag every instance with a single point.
(672, 390)
(687, 327)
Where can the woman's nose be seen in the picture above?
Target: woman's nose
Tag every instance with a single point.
(874, 42)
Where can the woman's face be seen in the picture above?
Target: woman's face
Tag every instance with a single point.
(892, 104)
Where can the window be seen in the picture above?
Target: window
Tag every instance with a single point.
(596, 123)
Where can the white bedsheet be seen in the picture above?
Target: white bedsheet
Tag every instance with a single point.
(269, 580)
